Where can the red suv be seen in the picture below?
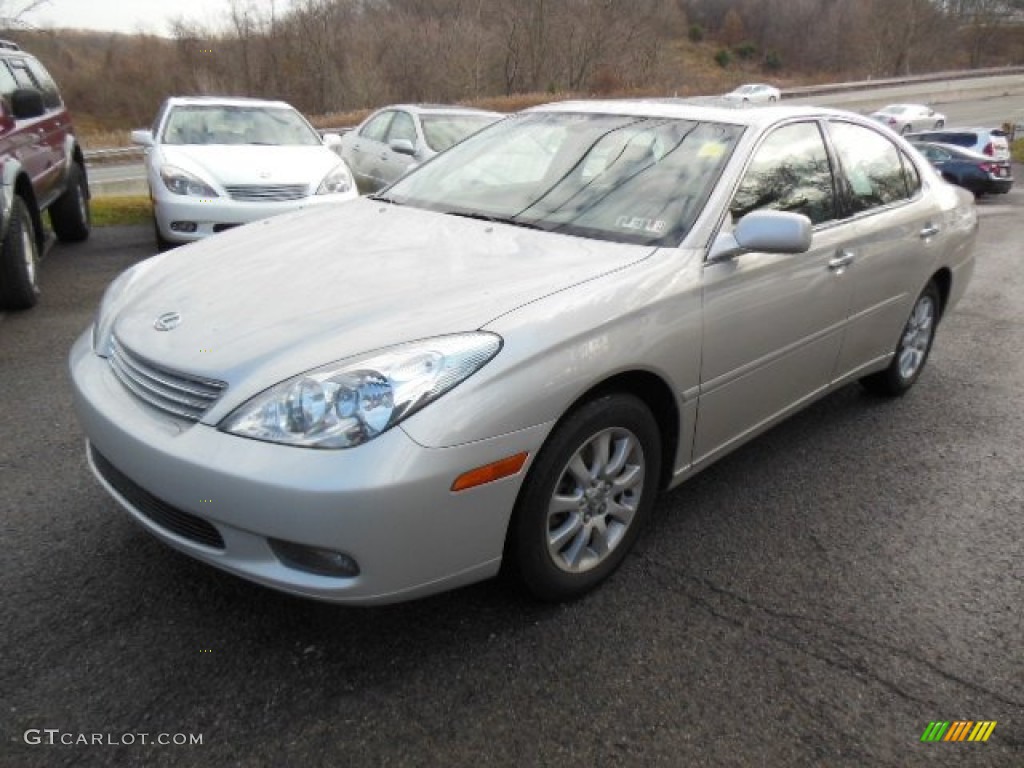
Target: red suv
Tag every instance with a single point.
(41, 169)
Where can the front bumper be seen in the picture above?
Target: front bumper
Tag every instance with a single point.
(213, 215)
(387, 503)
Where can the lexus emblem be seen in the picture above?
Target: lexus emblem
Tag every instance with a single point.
(168, 321)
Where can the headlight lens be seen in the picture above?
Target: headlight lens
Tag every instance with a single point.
(184, 183)
(339, 180)
(349, 403)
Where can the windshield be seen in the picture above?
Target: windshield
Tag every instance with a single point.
(612, 177)
(219, 124)
(442, 131)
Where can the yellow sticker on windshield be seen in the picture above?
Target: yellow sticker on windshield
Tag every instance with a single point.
(712, 150)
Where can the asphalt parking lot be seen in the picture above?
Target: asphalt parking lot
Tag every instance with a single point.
(817, 598)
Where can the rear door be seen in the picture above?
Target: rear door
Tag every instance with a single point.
(894, 228)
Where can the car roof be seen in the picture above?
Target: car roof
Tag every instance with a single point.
(437, 109)
(953, 149)
(715, 111)
(226, 101)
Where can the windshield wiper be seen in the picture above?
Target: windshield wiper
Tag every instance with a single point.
(384, 199)
(496, 219)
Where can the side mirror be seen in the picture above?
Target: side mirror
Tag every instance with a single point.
(143, 137)
(27, 103)
(403, 147)
(765, 231)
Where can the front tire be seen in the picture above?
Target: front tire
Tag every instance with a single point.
(912, 349)
(586, 497)
(69, 215)
(19, 260)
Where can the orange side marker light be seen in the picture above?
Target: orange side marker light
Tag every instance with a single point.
(490, 472)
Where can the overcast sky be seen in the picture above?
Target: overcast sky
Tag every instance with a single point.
(151, 16)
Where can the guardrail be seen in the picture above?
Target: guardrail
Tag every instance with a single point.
(866, 85)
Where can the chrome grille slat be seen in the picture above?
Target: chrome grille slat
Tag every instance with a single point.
(268, 192)
(178, 394)
(163, 384)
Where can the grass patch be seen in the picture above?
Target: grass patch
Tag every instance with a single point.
(1017, 149)
(120, 211)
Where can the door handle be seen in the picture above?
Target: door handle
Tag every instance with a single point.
(929, 230)
(840, 261)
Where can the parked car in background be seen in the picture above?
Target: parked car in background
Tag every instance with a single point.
(906, 118)
(992, 142)
(42, 169)
(215, 163)
(971, 170)
(754, 93)
(396, 138)
(503, 359)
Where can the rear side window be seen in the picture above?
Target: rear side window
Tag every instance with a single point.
(789, 172)
(874, 173)
(51, 96)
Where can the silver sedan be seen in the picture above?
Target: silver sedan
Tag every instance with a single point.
(395, 139)
(905, 118)
(499, 363)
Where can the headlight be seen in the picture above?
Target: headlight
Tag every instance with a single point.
(184, 183)
(349, 403)
(339, 180)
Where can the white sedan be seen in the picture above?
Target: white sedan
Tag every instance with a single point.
(754, 93)
(905, 118)
(214, 163)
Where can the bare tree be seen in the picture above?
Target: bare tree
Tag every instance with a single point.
(13, 12)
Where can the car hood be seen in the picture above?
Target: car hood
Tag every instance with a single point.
(275, 298)
(252, 164)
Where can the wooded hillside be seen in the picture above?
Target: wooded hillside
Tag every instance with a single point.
(338, 56)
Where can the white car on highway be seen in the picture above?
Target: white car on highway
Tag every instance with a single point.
(754, 93)
(215, 163)
(906, 118)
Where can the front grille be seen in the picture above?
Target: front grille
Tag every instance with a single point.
(179, 394)
(159, 512)
(257, 193)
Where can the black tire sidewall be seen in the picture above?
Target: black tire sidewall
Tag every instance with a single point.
(890, 381)
(66, 214)
(17, 289)
(527, 537)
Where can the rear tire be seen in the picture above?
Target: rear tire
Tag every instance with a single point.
(912, 349)
(19, 260)
(585, 499)
(69, 215)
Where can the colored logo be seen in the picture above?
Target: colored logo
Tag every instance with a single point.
(958, 730)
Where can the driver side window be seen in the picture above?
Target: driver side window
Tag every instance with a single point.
(790, 171)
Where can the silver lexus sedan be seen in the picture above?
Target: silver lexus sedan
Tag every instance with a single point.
(499, 361)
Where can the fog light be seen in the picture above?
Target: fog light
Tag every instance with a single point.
(183, 226)
(322, 562)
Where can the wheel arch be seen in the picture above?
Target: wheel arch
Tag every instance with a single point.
(657, 395)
